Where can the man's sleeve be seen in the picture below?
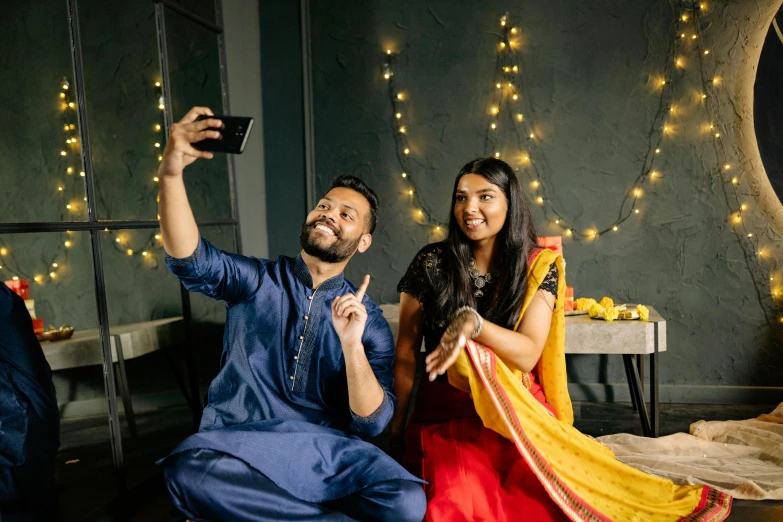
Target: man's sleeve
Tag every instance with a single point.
(217, 274)
(379, 348)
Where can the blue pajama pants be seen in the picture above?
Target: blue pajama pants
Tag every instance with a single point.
(210, 486)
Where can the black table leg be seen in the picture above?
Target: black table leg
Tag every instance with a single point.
(629, 378)
(638, 392)
(122, 381)
(654, 395)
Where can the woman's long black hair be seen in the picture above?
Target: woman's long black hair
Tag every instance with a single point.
(516, 239)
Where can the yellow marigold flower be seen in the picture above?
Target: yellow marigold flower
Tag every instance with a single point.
(610, 314)
(595, 310)
(607, 302)
(644, 312)
(584, 303)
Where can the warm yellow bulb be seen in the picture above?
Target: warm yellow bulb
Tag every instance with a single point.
(726, 166)
(404, 174)
(156, 179)
(71, 126)
(37, 278)
(82, 174)
(387, 76)
(663, 82)
(665, 128)
(532, 135)
(118, 240)
(515, 97)
(636, 211)
(157, 84)
(62, 95)
(144, 253)
(717, 134)
(388, 51)
(513, 30)
(160, 158)
(678, 62)
(54, 265)
(67, 244)
(750, 235)
(557, 222)
(437, 228)
(715, 81)
(157, 145)
(493, 126)
(407, 151)
(506, 69)
(535, 184)
(15, 278)
(52, 275)
(71, 105)
(410, 192)
(502, 45)
(400, 96)
(494, 110)
(68, 206)
(653, 174)
(615, 228)
(497, 85)
(403, 130)
(737, 219)
(157, 236)
(60, 189)
(63, 153)
(69, 170)
(515, 68)
(591, 233)
(743, 207)
(568, 232)
(706, 52)
(539, 200)
(694, 37)
(734, 181)
(161, 106)
(398, 115)
(157, 126)
(637, 192)
(3, 251)
(760, 252)
(129, 252)
(497, 154)
(526, 158)
(703, 96)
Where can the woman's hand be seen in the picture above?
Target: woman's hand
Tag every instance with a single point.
(453, 340)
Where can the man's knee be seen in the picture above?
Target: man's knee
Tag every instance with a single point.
(410, 502)
(181, 473)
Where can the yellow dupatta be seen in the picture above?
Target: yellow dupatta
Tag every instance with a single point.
(580, 474)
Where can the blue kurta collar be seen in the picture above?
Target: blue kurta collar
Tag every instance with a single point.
(303, 274)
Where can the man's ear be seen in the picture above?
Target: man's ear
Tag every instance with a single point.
(364, 243)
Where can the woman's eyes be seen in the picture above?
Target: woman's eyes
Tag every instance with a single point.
(485, 197)
(461, 198)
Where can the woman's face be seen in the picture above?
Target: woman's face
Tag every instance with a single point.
(480, 207)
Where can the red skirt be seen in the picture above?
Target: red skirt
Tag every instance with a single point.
(472, 472)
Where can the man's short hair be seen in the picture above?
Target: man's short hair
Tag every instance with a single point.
(354, 183)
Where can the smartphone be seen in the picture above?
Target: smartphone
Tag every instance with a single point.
(233, 135)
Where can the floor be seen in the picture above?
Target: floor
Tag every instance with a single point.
(87, 481)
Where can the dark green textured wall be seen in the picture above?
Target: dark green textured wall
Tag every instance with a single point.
(588, 73)
(281, 80)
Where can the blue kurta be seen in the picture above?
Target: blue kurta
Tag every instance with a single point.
(29, 417)
(280, 400)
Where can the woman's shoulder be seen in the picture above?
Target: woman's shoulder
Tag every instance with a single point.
(433, 250)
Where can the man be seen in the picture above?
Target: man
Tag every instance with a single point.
(306, 367)
(29, 417)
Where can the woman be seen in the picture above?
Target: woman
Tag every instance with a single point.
(491, 430)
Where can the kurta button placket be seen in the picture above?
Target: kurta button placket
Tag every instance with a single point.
(301, 338)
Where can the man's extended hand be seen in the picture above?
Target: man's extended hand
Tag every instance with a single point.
(349, 316)
(179, 151)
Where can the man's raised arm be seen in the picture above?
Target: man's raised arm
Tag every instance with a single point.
(177, 224)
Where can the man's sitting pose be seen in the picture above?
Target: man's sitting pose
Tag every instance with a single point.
(306, 367)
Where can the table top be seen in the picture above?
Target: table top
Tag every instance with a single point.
(592, 336)
(84, 347)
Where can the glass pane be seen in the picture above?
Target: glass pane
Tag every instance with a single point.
(145, 312)
(39, 117)
(204, 9)
(195, 80)
(124, 100)
(61, 290)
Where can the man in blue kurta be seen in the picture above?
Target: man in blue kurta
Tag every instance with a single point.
(305, 369)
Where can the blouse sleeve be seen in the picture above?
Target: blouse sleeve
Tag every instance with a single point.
(550, 281)
(416, 280)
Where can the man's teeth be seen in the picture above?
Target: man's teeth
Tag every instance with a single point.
(325, 229)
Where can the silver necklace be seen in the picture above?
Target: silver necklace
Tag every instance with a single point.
(479, 281)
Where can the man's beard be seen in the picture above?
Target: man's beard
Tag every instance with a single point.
(339, 251)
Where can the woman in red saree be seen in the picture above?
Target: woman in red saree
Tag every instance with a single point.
(491, 431)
